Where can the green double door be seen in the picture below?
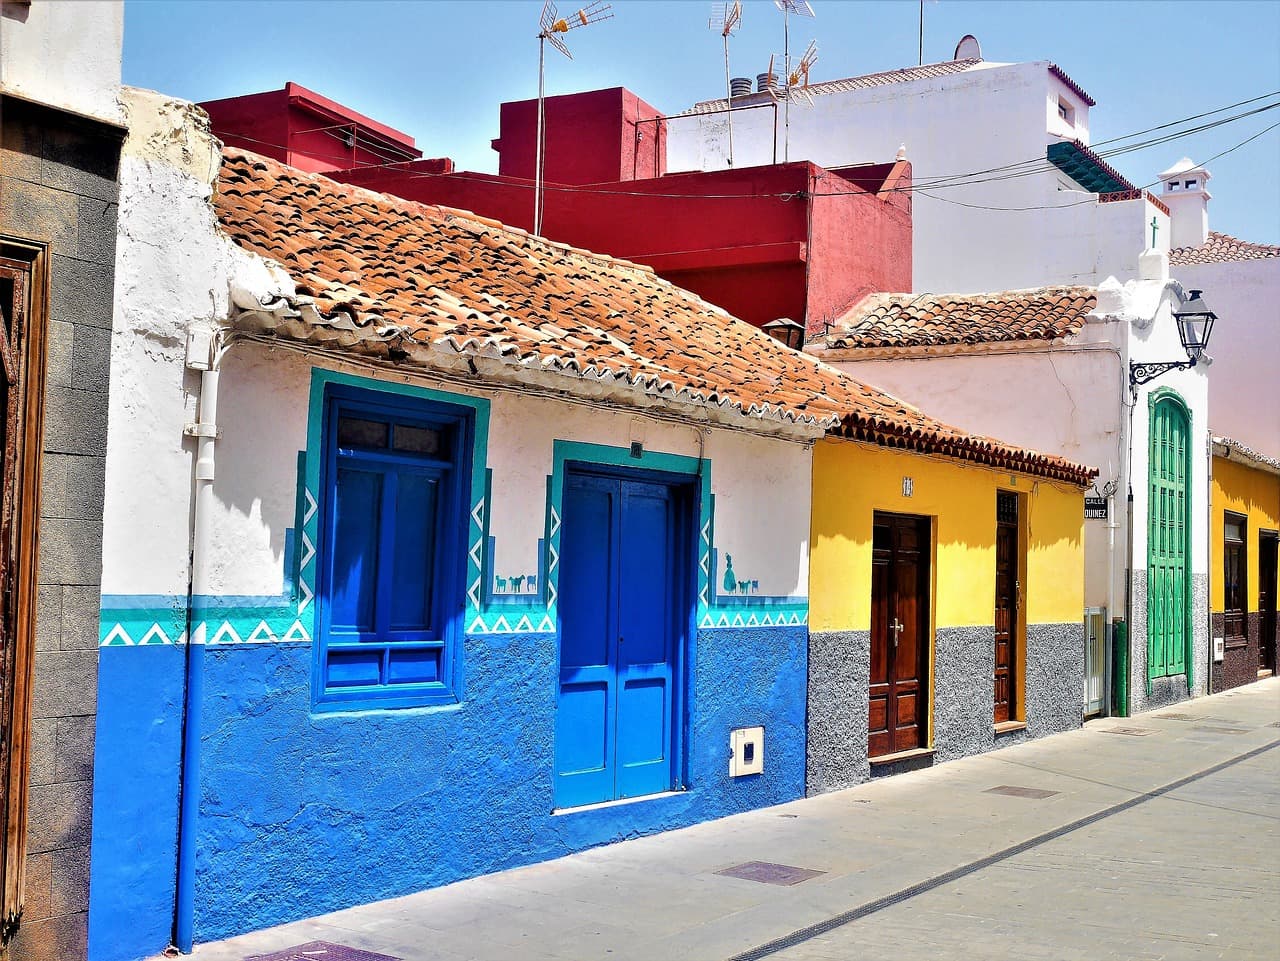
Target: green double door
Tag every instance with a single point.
(1169, 541)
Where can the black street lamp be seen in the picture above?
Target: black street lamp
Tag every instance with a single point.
(786, 331)
(1195, 324)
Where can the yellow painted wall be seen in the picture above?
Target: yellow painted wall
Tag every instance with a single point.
(1241, 489)
(851, 481)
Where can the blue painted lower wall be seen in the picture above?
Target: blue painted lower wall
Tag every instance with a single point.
(304, 813)
(137, 759)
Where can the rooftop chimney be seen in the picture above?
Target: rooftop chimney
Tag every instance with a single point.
(1185, 191)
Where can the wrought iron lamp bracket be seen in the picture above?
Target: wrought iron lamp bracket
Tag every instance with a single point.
(1140, 374)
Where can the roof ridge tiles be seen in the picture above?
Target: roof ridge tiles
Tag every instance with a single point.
(559, 312)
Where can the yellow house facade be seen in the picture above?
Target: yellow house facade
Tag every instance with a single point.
(945, 612)
(1244, 530)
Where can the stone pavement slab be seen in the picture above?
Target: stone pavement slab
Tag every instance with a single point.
(1163, 846)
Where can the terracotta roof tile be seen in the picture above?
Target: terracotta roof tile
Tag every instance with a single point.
(936, 320)
(441, 288)
(1221, 248)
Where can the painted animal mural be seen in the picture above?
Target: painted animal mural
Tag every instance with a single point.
(515, 584)
(731, 583)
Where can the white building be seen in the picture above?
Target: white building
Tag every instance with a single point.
(1049, 369)
(1241, 282)
(1049, 211)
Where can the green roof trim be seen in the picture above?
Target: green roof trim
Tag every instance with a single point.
(1086, 168)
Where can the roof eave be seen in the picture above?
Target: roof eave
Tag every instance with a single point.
(482, 364)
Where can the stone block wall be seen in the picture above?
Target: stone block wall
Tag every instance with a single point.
(58, 185)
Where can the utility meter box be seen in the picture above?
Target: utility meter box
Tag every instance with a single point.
(746, 751)
(1219, 649)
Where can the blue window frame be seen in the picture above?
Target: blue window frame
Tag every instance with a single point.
(391, 575)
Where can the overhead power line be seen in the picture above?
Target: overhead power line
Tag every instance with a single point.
(1012, 171)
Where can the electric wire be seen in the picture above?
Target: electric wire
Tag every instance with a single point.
(1024, 168)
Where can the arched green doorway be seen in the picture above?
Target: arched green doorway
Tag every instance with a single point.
(1169, 538)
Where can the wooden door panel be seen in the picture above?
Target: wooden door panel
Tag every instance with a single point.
(645, 628)
(1006, 610)
(899, 632)
(1267, 549)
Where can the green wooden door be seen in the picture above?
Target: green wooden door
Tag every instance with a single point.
(1169, 540)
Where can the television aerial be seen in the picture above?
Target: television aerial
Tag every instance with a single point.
(727, 18)
(801, 8)
(798, 79)
(552, 27)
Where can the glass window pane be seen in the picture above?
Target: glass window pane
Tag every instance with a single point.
(354, 559)
(415, 548)
(1235, 529)
(417, 440)
(359, 432)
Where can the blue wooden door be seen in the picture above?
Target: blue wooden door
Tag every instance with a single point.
(620, 611)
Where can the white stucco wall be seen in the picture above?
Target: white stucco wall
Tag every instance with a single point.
(1063, 401)
(1245, 346)
(1047, 230)
(761, 486)
(65, 54)
(171, 272)
(177, 274)
(1072, 400)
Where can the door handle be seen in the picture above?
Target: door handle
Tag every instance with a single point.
(896, 627)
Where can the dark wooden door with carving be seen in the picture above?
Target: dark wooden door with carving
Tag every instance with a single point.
(1006, 620)
(899, 691)
(18, 480)
(1267, 549)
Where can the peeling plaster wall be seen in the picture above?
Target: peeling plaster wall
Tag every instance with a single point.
(303, 812)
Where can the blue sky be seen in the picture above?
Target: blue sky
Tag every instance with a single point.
(439, 70)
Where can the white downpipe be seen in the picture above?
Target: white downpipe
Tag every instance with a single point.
(206, 433)
(205, 446)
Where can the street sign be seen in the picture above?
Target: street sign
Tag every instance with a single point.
(1095, 508)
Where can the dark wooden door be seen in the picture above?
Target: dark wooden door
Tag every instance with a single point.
(1006, 619)
(19, 471)
(898, 694)
(1267, 544)
(1234, 564)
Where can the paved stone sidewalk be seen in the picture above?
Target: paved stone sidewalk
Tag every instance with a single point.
(1179, 858)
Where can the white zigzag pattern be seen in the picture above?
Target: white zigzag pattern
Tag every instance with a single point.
(117, 637)
(307, 595)
(262, 632)
(308, 552)
(309, 510)
(155, 635)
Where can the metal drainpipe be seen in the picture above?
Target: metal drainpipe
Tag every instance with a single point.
(205, 431)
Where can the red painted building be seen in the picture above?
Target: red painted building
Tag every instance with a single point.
(785, 240)
(305, 130)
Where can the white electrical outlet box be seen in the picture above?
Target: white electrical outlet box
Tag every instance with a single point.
(746, 751)
(1219, 649)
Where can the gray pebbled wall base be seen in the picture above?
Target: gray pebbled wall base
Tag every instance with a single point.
(1167, 690)
(964, 663)
(1055, 678)
(836, 743)
(963, 691)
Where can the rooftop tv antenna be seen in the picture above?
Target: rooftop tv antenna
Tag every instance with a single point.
(727, 18)
(800, 8)
(552, 27)
(798, 79)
